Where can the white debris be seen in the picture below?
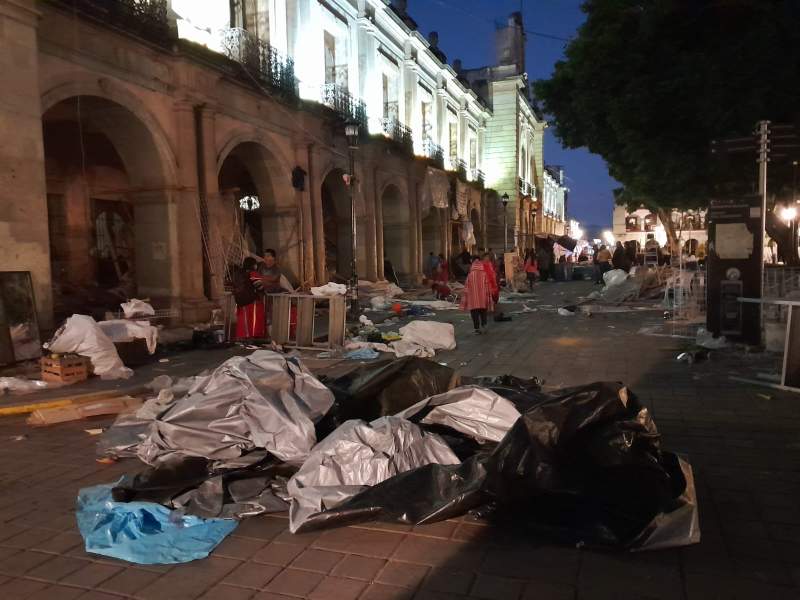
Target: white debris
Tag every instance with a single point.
(330, 289)
(82, 335)
(137, 308)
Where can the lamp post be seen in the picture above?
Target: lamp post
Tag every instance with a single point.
(351, 133)
(504, 199)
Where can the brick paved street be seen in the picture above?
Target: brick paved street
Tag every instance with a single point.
(743, 442)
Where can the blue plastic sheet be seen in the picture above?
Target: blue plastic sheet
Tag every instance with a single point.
(145, 532)
(362, 354)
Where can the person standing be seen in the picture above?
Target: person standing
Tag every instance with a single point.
(250, 309)
(430, 265)
(620, 258)
(603, 260)
(477, 296)
(531, 269)
(491, 276)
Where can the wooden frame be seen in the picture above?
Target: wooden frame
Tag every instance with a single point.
(306, 305)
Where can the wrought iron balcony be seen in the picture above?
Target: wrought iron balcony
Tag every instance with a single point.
(398, 132)
(344, 104)
(145, 18)
(260, 60)
(433, 151)
(461, 169)
(477, 175)
(524, 187)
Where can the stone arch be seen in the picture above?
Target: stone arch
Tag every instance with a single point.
(336, 225)
(396, 216)
(249, 168)
(110, 180)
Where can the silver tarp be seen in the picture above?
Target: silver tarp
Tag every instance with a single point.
(358, 455)
(264, 400)
(475, 411)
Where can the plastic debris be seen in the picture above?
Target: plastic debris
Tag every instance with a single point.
(121, 331)
(358, 455)
(137, 308)
(145, 532)
(17, 385)
(565, 313)
(82, 335)
(76, 412)
(705, 339)
(365, 322)
(430, 334)
(362, 354)
(330, 289)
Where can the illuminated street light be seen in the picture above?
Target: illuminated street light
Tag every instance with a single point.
(789, 213)
(609, 238)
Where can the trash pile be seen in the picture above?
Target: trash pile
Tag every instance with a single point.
(417, 338)
(403, 440)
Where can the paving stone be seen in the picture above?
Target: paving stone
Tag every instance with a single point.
(435, 552)
(448, 581)
(496, 588)
(60, 542)
(129, 581)
(191, 579)
(239, 547)
(278, 554)
(338, 588)
(379, 591)
(91, 575)
(402, 574)
(321, 561)
(228, 592)
(261, 527)
(56, 592)
(20, 588)
(22, 562)
(378, 544)
(293, 582)
(535, 590)
(57, 568)
(359, 567)
(251, 575)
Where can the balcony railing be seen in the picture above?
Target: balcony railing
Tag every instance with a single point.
(145, 18)
(433, 151)
(344, 104)
(398, 132)
(461, 169)
(261, 61)
(477, 175)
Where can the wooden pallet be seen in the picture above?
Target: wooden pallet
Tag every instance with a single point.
(306, 307)
(65, 368)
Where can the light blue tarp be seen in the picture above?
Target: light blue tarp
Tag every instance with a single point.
(145, 532)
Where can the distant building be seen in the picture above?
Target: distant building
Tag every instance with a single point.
(689, 225)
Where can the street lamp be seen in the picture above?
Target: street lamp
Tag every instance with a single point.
(351, 133)
(504, 200)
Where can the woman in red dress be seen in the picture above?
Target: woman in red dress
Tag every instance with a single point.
(250, 313)
(477, 296)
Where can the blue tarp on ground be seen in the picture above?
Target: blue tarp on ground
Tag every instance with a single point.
(145, 532)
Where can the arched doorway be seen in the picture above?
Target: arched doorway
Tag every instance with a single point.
(396, 232)
(475, 218)
(336, 227)
(108, 209)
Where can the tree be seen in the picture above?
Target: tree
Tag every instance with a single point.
(648, 84)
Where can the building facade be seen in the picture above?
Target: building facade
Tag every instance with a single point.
(154, 144)
(689, 226)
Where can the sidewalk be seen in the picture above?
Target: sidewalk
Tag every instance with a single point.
(743, 443)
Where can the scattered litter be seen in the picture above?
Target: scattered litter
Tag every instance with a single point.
(145, 532)
(166, 360)
(362, 354)
(706, 339)
(378, 303)
(694, 356)
(18, 438)
(430, 334)
(137, 308)
(565, 313)
(76, 412)
(764, 396)
(94, 431)
(17, 385)
(82, 335)
(121, 331)
(330, 289)
(365, 322)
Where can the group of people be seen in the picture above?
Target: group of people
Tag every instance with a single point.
(625, 256)
(257, 277)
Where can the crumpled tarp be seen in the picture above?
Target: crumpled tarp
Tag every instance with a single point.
(330, 289)
(137, 308)
(145, 532)
(82, 335)
(584, 466)
(472, 410)
(264, 400)
(386, 387)
(430, 334)
(357, 455)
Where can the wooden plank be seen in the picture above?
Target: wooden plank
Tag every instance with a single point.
(336, 321)
(279, 329)
(305, 321)
(21, 409)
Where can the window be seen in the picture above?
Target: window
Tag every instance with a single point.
(426, 120)
(330, 58)
(453, 142)
(473, 153)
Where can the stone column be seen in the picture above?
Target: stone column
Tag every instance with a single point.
(414, 228)
(24, 237)
(373, 233)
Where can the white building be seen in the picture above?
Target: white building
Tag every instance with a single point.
(689, 225)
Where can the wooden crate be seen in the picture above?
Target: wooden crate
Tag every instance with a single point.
(302, 334)
(65, 368)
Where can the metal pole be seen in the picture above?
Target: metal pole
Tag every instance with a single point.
(354, 307)
(763, 158)
(505, 230)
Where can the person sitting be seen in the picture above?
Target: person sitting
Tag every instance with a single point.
(250, 307)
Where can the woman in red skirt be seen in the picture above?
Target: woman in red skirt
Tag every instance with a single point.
(250, 313)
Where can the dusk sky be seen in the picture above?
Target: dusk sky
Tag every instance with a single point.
(466, 31)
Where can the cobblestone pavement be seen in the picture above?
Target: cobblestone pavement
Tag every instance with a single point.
(743, 443)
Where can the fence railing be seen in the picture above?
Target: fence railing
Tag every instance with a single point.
(261, 61)
(344, 104)
(433, 151)
(145, 18)
(398, 132)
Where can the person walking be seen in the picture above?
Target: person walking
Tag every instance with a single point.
(477, 296)
(603, 261)
(531, 269)
(491, 276)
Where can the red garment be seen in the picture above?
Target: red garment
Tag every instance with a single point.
(491, 274)
(445, 274)
(250, 321)
(477, 290)
(531, 266)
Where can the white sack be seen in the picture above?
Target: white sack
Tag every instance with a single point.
(614, 277)
(330, 289)
(82, 335)
(120, 330)
(430, 334)
(137, 308)
(358, 455)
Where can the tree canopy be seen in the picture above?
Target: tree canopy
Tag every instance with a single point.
(648, 84)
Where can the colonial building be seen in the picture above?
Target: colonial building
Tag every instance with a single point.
(514, 154)
(148, 145)
(689, 226)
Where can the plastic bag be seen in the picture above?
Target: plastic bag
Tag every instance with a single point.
(82, 335)
(378, 302)
(144, 532)
(430, 334)
(330, 289)
(17, 385)
(614, 277)
(358, 455)
(137, 308)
